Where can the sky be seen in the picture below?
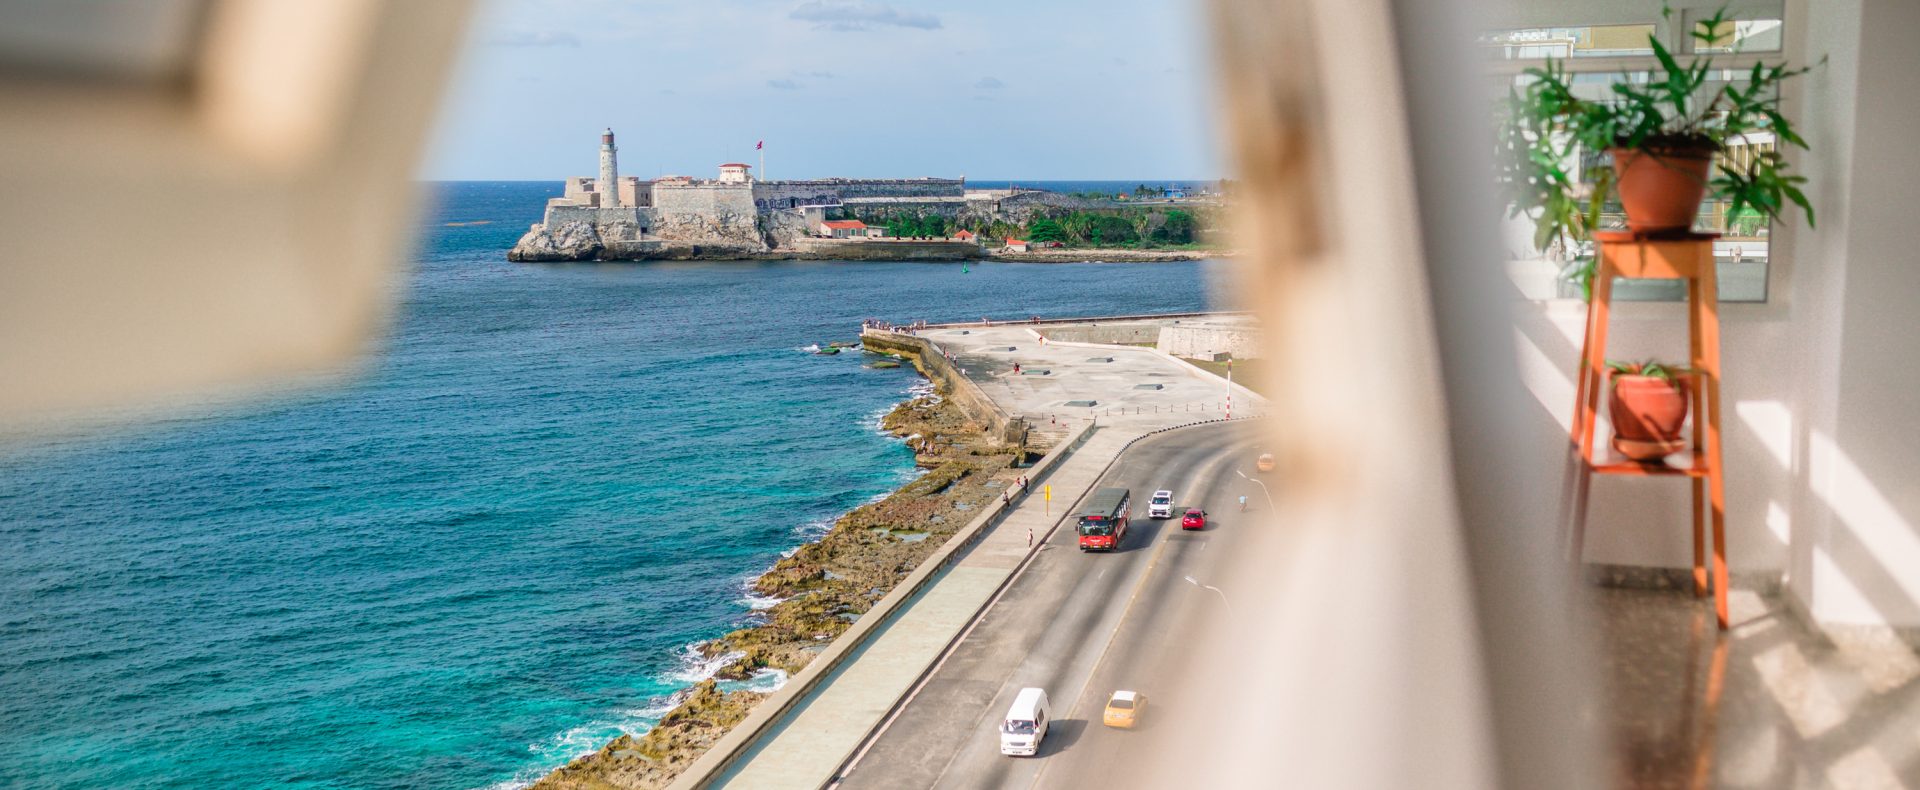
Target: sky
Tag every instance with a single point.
(986, 89)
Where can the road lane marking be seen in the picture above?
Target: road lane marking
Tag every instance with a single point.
(1164, 537)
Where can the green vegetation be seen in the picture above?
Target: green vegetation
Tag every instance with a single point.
(1125, 227)
(1664, 371)
(910, 226)
(1122, 226)
(1045, 230)
(1551, 138)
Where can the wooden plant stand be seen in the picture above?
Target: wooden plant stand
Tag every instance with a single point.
(1686, 257)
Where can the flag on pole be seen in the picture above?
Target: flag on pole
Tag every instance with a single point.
(759, 145)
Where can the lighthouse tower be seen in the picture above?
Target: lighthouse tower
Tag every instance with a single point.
(609, 187)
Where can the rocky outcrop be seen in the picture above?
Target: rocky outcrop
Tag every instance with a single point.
(570, 241)
(719, 226)
(823, 588)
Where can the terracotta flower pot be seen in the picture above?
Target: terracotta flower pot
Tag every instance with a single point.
(1648, 414)
(1661, 188)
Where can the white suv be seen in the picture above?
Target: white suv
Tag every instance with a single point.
(1161, 506)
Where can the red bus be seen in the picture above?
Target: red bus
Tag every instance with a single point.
(1103, 522)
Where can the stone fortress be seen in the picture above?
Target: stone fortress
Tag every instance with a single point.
(734, 216)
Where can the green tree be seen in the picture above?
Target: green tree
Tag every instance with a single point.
(1046, 230)
(900, 226)
(1178, 229)
(1079, 226)
(1113, 229)
(933, 226)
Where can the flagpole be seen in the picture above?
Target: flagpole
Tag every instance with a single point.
(762, 146)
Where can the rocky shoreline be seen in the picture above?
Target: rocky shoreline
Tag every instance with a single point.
(1107, 255)
(582, 241)
(822, 587)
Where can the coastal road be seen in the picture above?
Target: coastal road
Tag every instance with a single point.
(1081, 625)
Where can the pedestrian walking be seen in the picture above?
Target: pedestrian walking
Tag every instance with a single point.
(1029, 537)
(1243, 503)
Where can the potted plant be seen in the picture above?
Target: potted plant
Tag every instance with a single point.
(1652, 143)
(1648, 405)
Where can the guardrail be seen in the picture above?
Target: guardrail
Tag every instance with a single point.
(774, 708)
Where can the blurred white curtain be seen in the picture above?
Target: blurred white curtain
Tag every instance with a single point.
(1413, 624)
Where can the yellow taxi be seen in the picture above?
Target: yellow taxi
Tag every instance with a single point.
(1264, 463)
(1123, 710)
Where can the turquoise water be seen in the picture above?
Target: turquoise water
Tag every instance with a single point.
(488, 553)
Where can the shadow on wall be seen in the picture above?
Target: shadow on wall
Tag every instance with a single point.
(1642, 522)
(1858, 537)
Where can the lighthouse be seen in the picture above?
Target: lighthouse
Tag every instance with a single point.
(609, 186)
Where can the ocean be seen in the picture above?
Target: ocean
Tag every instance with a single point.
(489, 552)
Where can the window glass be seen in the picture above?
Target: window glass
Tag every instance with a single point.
(1760, 34)
(1588, 41)
(1742, 254)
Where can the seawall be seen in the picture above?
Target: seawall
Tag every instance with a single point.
(882, 250)
(949, 381)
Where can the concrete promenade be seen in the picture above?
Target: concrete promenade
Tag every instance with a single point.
(806, 749)
(1134, 391)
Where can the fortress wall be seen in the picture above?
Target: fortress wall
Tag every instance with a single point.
(635, 192)
(785, 227)
(881, 208)
(706, 212)
(787, 194)
(610, 224)
(577, 187)
(773, 195)
(884, 250)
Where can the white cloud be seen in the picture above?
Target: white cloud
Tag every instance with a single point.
(529, 38)
(783, 85)
(989, 84)
(843, 15)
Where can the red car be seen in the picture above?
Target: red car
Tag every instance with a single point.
(1194, 519)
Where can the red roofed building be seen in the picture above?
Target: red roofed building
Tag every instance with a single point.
(964, 235)
(844, 229)
(735, 173)
(1014, 245)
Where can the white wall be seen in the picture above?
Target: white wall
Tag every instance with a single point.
(1636, 521)
(1856, 549)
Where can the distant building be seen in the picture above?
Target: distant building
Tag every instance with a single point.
(735, 173)
(1014, 245)
(1177, 192)
(844, 229)
(964, 235)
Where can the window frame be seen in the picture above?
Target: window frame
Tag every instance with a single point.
(1538, 278)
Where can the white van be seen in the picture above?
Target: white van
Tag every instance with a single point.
(1026, 723)
(1161, 506)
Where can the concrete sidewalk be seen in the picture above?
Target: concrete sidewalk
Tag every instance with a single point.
(1134, 391)
(807, 748)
